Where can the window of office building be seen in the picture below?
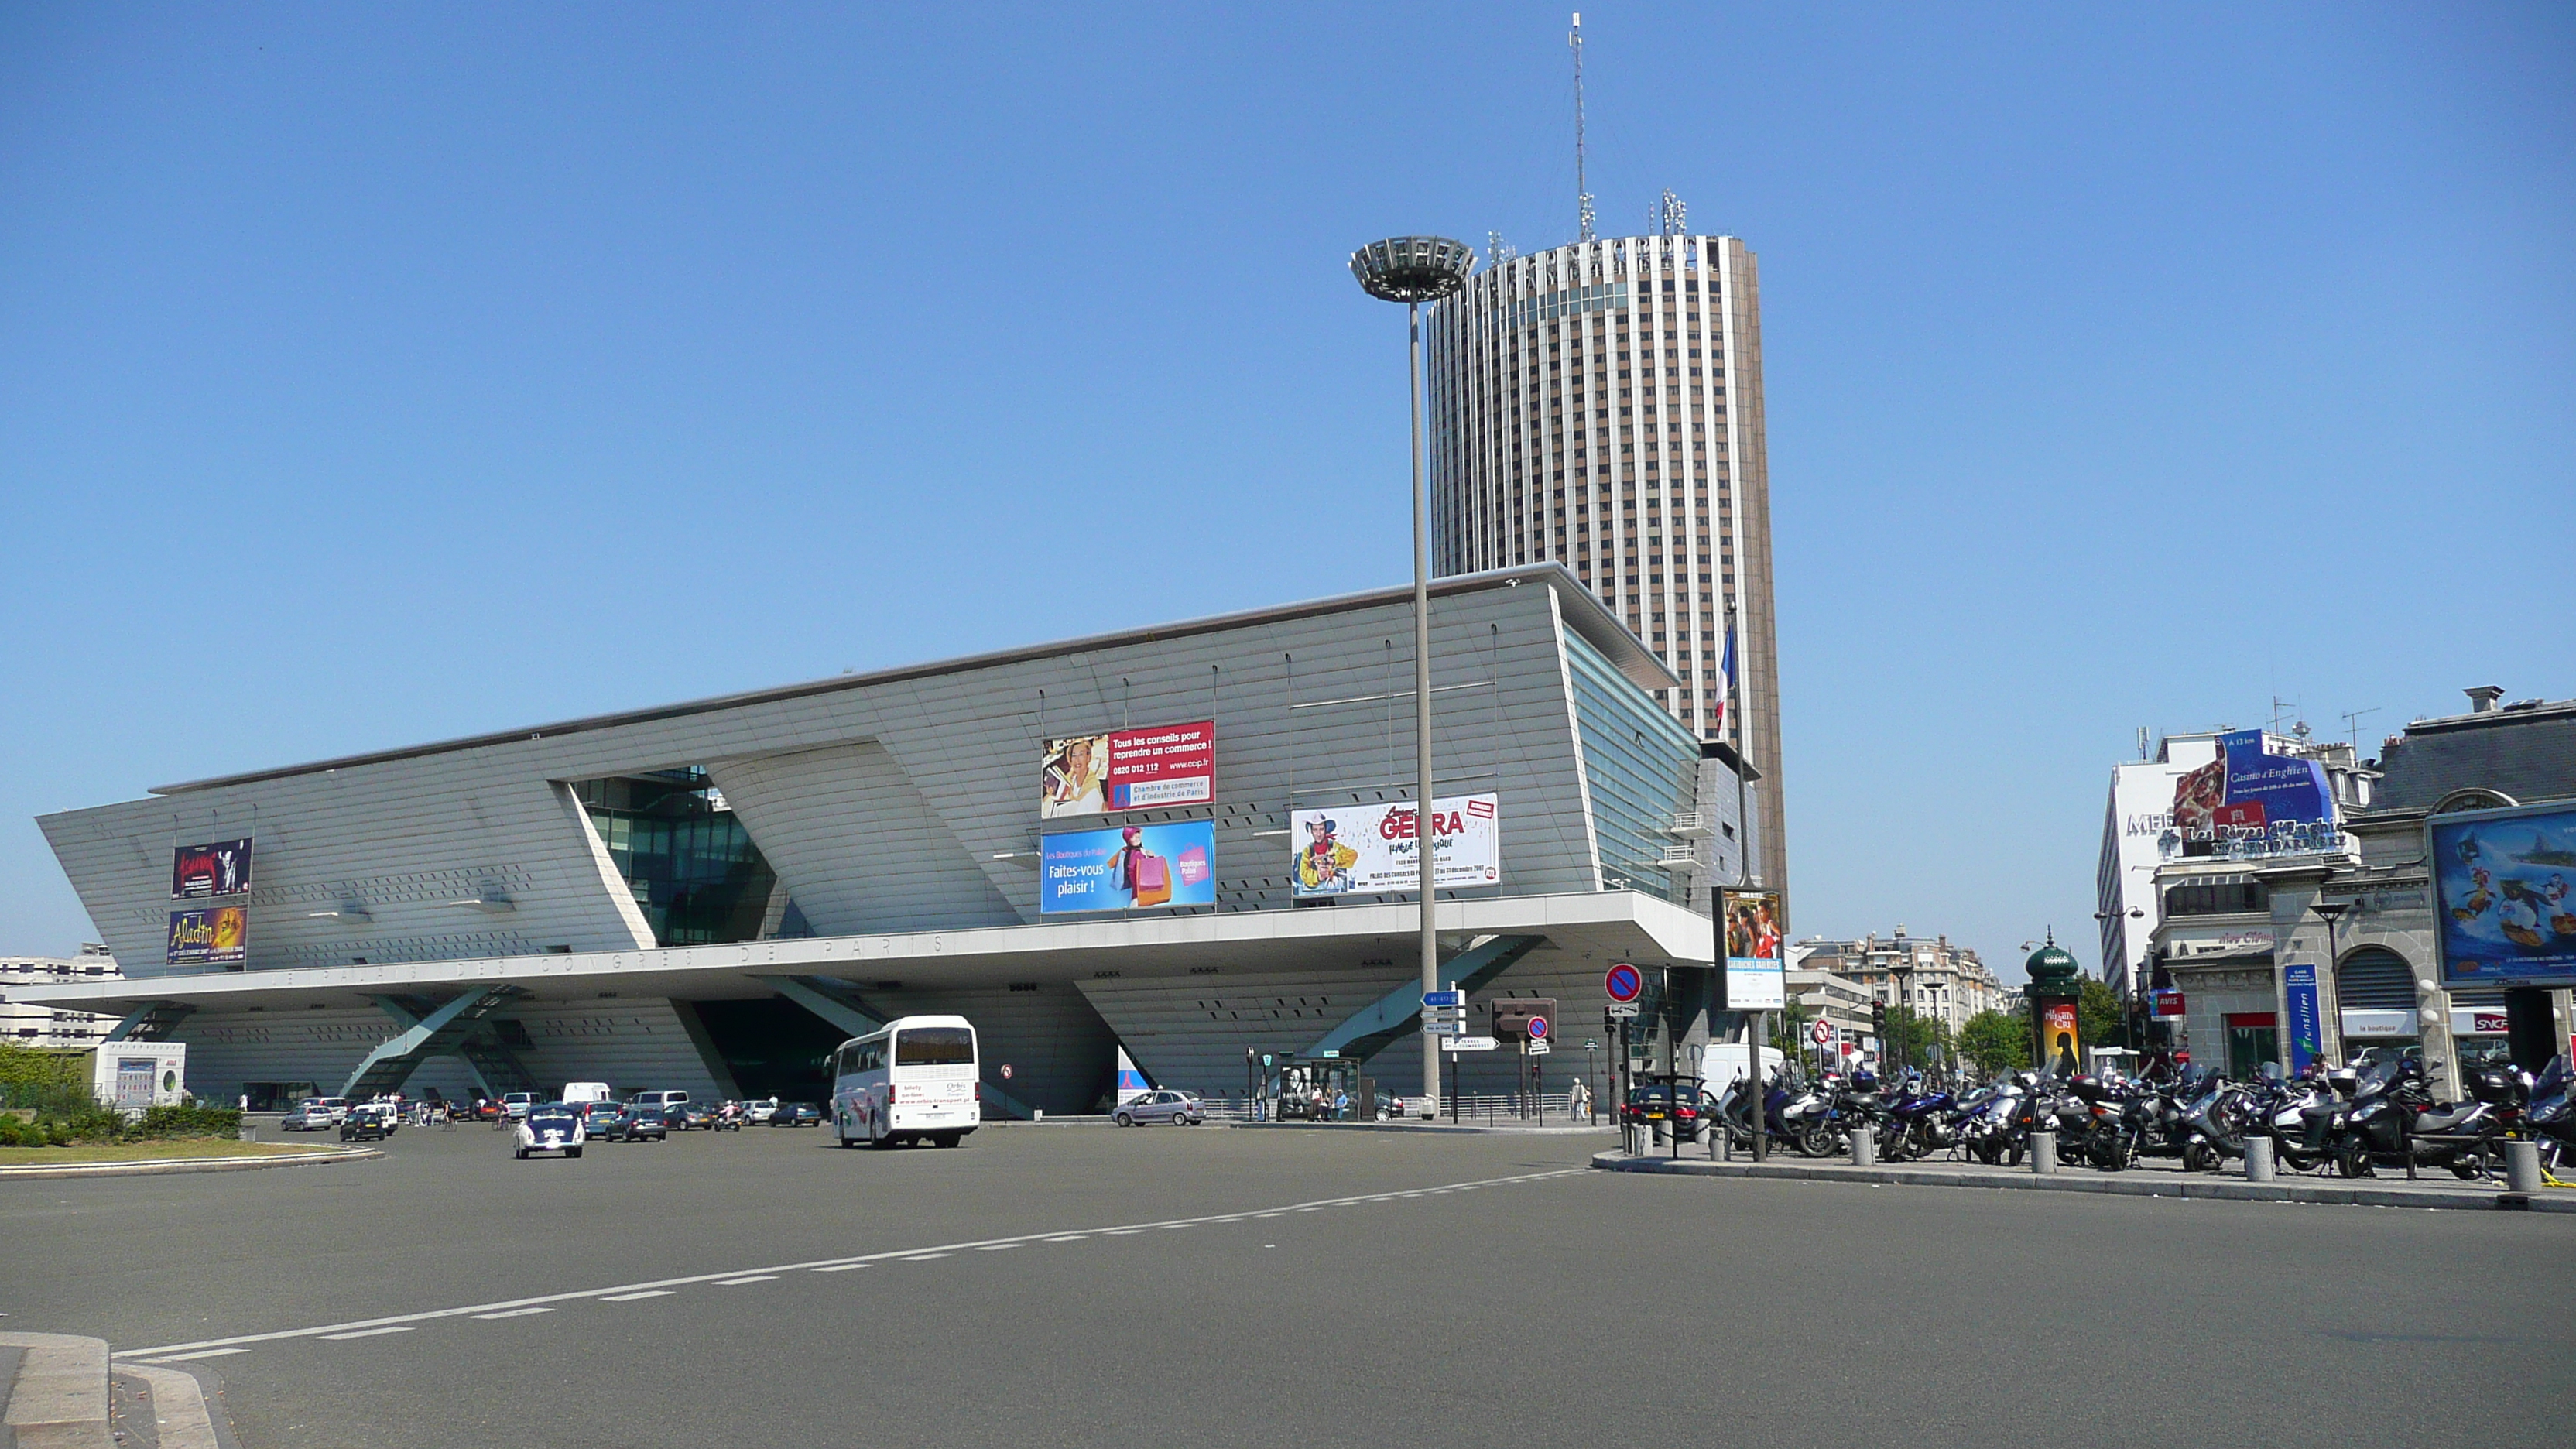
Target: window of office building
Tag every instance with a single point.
(692, 866)
(1642, 767)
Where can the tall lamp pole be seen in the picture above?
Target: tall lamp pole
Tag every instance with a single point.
(1414, 270)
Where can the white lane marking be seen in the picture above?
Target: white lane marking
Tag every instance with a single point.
(621, 1292)
(366, 1333)
(201, 1353)
(749, 1278)
(1124, 1232)
(842, 1267)
(1071, 1238)
(631, 1297)
(925, 1257)
(997, 1247)
(512, 1313)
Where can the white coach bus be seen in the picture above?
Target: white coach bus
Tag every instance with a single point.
(915, 1080)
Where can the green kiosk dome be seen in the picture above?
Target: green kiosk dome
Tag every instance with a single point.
(2052, 970)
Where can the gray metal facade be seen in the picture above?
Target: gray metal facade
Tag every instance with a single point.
(906, 802)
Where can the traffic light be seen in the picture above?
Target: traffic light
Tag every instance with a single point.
(1878, 1020)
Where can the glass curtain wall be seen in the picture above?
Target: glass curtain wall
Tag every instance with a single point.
(690, 863)
(1643, 768)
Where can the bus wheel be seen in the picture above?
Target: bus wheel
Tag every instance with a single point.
(950, 1139)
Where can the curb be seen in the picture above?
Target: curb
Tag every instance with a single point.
(142, 1166)
(2162, 1185)
(59, 1396)
(64, 1397)
(1461, 1129)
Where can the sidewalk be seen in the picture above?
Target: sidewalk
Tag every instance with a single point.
(2161, 1179)
(56, 1393)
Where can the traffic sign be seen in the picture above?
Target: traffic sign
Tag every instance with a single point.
(1006, 1071)
(1623, 1013)
(1457, 999)
(1623, 981)
(1538, 1047)
(1538, 1028)
(1470, 1044)
(1822, 1033)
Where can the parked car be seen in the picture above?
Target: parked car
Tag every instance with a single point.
(673, 1106)
(339, 1107)
(578, 1093)
(1182, 1109)
(1654, 1103)
(599, 1120)
(550, 1127)
(517, 1103)
(759, 1109)
(635, 1123)
(696, 1118)
(373, 1122)
(796, 1114)
(311, 1116)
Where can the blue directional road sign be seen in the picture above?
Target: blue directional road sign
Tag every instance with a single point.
(1444, 998)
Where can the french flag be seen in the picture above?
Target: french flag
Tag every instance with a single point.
(1728, 670)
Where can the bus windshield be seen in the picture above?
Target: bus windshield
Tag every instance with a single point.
(934, 1046)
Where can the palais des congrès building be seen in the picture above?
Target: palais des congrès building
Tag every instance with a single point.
(1163, 841)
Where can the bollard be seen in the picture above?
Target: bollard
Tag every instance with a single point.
(1864, 1146)
(249, 1132)
(2043, 1152)
(2522, 1167)
(2258, 1159)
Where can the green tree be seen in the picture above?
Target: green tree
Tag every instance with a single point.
(2100, 1015)
(1912, 1037)
(1996, 1041)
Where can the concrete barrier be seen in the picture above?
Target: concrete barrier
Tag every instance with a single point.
(59, 1397)
(2258, 1159)
(2522, 1167)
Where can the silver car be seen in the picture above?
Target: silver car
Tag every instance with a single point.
(1181, 1109)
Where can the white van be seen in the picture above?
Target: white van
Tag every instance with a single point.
(575, 1093)
(1723, 1062)
(673, 1105)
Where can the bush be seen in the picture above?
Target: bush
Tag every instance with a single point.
(192, 1120)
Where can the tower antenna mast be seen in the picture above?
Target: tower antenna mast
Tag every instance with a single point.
(1582, 198)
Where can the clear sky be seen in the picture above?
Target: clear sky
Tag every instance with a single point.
(377, 374)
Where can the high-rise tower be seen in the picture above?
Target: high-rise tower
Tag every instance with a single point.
(1600, 404)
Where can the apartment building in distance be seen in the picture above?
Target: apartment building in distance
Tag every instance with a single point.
(1939, 980)
(30, 1024)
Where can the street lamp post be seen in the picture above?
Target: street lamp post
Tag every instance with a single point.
(2332, 911)
(1414, 270)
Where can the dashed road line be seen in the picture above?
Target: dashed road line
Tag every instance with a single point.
(747, 1278)
(511, 1313)
(997, 1247)
(629, 1292)
(842, 1267)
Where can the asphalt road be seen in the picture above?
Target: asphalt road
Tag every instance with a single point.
(1205, 1286)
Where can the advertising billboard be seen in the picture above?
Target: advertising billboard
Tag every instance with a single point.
(1128, 770)
(2504, 895)
(2299, 988)
(1140, 867)
(214, 936)
(2061, 1044)
(216, 868)
(1755, 977)
(2249, 801)
(1347, 850)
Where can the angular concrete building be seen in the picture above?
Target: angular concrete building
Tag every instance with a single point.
(711, 895)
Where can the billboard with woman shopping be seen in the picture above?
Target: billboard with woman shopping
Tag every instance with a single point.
(1139, 867)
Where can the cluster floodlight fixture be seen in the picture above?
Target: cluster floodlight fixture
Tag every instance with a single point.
(1413, 268)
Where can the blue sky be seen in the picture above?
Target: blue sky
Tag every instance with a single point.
(379, 374)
